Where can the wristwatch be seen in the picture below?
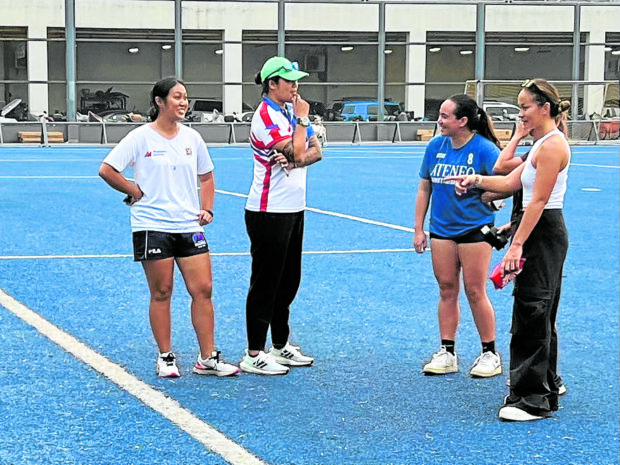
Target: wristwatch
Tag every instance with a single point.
(304, 121)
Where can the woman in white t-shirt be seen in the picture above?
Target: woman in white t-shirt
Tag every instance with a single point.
(538, 248)
(167, 220)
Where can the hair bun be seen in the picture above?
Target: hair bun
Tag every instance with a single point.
(564, 106)
(257, 79)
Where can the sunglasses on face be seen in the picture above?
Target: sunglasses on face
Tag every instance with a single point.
(293, 66)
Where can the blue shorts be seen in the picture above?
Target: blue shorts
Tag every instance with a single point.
(157, 245)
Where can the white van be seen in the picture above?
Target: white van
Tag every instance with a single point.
(500, 111)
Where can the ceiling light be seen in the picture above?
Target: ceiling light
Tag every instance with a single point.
(387, 51)
(434, 49)
(522, 49)
(134, 50)
(616, 52)
(346, 48)
(466, 52)
(166, 47)
(608, 49)
(219, 51)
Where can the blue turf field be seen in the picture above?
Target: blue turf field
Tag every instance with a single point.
(366, 310)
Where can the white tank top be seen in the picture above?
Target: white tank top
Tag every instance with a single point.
(528, 176)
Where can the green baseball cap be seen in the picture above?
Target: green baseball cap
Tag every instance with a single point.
(280, 66)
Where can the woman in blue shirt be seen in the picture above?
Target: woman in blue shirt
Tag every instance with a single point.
(466, 145)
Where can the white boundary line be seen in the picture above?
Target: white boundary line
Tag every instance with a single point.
(339, 215)
(169, 408)
(217, 254)
(594, 166)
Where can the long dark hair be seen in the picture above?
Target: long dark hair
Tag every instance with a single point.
(477, 118)
(161, 89)
(258, 80)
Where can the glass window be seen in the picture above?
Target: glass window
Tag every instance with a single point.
(14, 70)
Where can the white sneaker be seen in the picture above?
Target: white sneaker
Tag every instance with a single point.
(291, 356)
(167, 365)
(516, 414)
(486, 365)
(214, 366)
(262, 364)
(443, 362)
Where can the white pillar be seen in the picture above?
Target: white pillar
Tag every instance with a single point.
(594, 71)
(416, 72)
(232, 69)
(37, 70)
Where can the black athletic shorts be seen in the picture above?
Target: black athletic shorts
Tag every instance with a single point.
(156, 245)
(470, 237)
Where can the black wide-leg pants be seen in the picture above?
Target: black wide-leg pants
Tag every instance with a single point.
(534, 343)
(276, 241)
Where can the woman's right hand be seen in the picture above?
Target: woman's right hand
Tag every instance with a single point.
(420, 242)
(520, 131)
(301, 108)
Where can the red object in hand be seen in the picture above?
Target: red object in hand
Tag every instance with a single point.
(501, 280)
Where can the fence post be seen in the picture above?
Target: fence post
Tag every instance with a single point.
(44, 136)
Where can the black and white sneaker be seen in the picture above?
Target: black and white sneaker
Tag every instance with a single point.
(167, 365)
(291, 355)
(262, 364)
(214, 366)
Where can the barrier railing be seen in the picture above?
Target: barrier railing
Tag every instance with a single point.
(46, 132)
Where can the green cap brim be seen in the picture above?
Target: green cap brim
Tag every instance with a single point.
(294, 75)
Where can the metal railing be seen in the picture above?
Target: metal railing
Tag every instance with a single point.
(358, 132)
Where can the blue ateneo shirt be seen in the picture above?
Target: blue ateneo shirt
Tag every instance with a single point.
(451, 214)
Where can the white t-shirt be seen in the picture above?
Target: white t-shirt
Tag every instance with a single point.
(167, 171)
(274, 189)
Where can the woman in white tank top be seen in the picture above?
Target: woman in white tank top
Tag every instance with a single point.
(541, 240)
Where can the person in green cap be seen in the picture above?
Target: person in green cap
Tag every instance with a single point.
(283, 145)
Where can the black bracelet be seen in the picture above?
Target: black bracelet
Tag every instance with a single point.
(210, 213)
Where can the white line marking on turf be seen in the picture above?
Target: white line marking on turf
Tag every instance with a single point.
(49, 160)
(50, 177)
(594, 166)
(339, 215)
(361, 220)
(211, 438)
(220, 254)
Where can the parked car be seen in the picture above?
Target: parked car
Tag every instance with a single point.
(333, 112)
(500, 111)
(210, 110)
(202, 109)
(368, 110)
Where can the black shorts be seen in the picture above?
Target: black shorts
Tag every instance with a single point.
(470, 237)
(157, 245)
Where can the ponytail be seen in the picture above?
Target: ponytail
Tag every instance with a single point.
(477, 119)
(259, 81)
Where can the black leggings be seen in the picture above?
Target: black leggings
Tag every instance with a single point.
(275, 245)
(534, 343)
